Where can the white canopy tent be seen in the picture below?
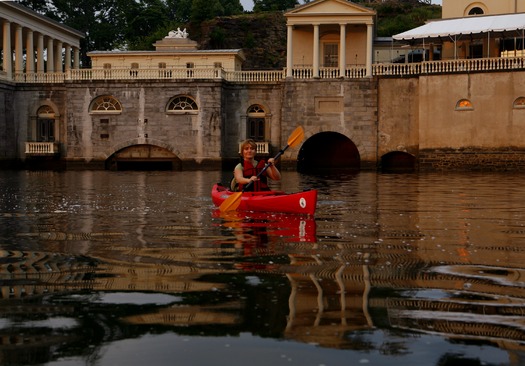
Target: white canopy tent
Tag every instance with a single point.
(475, 27)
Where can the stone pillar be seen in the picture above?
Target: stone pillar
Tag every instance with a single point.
(50, 54)
(19, 50)
(8, 51)
(76, 58)
(289, 51)
(316, 55)
(40, 54)
(30, 53)
(342, 50)
(369, 48)
(67, 58)
(58, 57)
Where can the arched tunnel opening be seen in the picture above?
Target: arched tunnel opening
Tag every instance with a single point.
(143, 158)
(398, 162)
(328, 152)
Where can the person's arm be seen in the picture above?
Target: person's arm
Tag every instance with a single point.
(272, 170)
(239, 177)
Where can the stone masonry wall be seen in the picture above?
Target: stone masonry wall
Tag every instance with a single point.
(8, 146)
(195, 138)
(348, 107)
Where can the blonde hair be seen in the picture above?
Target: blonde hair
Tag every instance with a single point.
(248, 142)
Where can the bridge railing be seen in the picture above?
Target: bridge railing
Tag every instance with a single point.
(272, 76)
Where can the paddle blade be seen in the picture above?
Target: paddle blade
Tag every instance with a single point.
(296, 137)
(231, 203)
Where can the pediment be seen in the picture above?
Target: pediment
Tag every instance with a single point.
(324, 7)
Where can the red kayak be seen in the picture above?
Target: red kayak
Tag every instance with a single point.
(303, 203)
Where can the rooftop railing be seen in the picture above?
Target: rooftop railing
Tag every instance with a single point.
(505, 63)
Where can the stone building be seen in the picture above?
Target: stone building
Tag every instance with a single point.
(179, 107)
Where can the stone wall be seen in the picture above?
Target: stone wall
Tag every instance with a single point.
(8, 146)
(194, 138)
(417, 116)
(348, 107)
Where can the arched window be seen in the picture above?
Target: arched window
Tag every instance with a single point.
(45, 124)
(476, 11)
(519, 103)
(106, 104)
(464, 105)
(182, 104)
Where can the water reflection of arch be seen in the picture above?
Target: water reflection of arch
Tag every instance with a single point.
(143, 154)
(328, 151)
(398, 161)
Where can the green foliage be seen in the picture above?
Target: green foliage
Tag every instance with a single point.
(217, 38)
(395, 17)
(202, 10)
(137, 24)
(273, 5)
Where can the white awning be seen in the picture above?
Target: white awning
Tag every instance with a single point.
(469, 25)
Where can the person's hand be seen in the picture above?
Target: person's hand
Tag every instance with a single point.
(254, 178)
(271, 161)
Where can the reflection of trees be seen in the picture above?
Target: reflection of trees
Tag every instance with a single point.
(330, 293)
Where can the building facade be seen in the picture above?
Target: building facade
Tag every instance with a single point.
(182, 108)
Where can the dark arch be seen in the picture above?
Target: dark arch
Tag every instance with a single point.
(328, 152)
(398, 162)
(476, 11)
(143, 157)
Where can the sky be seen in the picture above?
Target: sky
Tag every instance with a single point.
(248, 4)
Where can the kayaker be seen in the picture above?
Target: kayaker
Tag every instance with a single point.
(249, 168)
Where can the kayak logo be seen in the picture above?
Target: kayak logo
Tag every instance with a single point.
(302, 202)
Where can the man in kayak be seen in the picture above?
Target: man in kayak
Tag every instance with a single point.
(249, 168)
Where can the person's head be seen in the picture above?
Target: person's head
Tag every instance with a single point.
(248, 145)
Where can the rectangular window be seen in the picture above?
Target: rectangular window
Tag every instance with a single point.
(256, 128)
(46, 130)
(331, 54)
(217, 65)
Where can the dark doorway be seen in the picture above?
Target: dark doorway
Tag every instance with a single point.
(143, 158)
(328, 152)
(398, 162)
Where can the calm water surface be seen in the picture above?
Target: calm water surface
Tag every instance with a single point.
(138, 268)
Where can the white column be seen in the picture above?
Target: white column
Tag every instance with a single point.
(30, 52)
(58, 57)
(40, 53)
(8, 51)
(316, 51)
(342, 51)
(50, 58)
(67, 58)
(19, 50)
(76, 58)
(289, 51)
(369, 48)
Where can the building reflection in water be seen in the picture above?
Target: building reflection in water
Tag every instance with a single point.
(268, 275)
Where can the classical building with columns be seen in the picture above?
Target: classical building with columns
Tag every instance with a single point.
(34, 45)
(332, 35)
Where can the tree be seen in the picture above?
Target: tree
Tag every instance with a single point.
(202, 10)
(179, 10)
(100, 21)
(144, 19)
(232, 7)
(273, 5)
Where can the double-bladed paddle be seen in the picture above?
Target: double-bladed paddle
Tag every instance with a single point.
(231, 203)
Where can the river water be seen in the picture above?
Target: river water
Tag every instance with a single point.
(137, 268)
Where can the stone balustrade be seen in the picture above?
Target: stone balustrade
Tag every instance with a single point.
(302, 73)
(41, 148)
